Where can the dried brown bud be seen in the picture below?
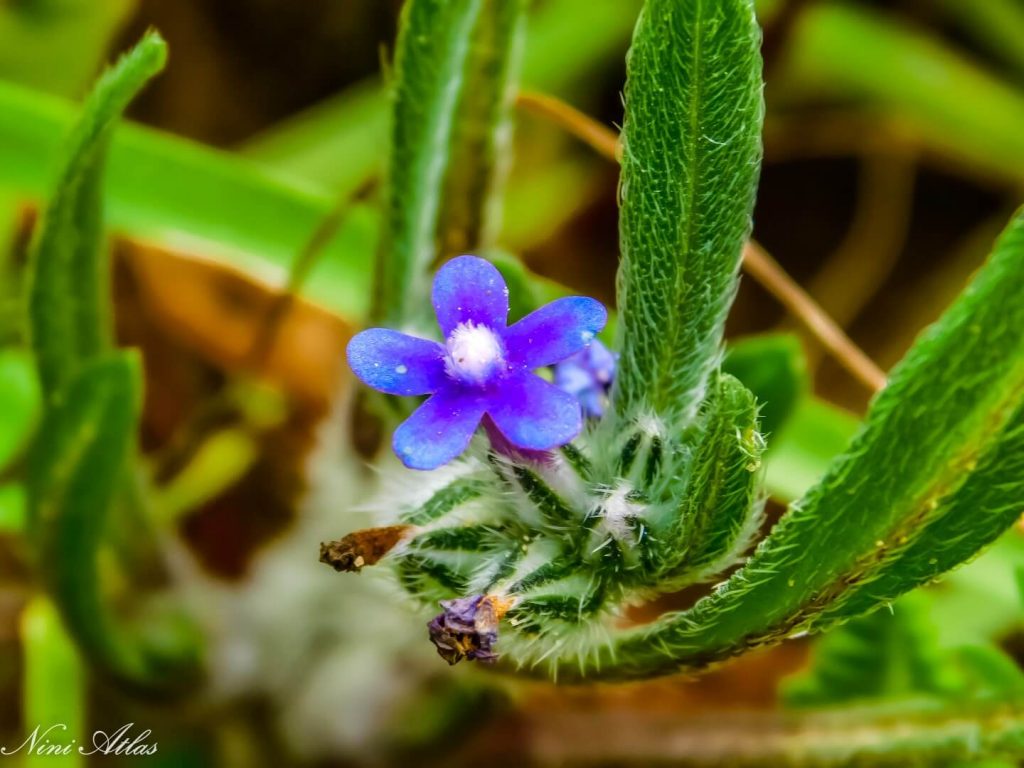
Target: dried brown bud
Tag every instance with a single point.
(361, 548)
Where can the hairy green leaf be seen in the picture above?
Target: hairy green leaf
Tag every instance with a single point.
(69, 282)
(455, 78)
(691, 154)
(940, 454)
(720, 511)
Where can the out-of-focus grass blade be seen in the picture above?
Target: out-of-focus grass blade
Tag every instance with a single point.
(12, 508)
(53, 687)
(690, 162)
(196, 199)
(19, 402)
(69, 304)
(952, 104)
(58, 45)
(998, 25)
(341, 142)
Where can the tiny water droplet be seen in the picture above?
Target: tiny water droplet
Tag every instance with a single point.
(401, 369)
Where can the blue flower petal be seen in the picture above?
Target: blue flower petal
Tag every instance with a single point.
(469, 289)
(395, 363)
(534, 414)
(555, 331)
(439, 430)
(588, 375)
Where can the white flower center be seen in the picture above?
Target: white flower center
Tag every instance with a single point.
(475, 353)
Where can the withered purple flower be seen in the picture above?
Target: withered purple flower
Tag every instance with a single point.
(467, 628)
(483, 367)
(588, 375)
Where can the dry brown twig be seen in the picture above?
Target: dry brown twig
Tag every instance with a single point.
(756, 261)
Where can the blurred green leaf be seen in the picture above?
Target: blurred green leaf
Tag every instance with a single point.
(53, 685)
(990, 671)
(180, 194)
(58, 45)
(979, 603)
(20, 403)
(12, 508)
(69, 305)
(75, 473)
(454, 78)
(800, 453)
(774, 368)
(950, 103)
(998, 25)
(77, 466)
(691, 155)
(338, 143)
(889, 653)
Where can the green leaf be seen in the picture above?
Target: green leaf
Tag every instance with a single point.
(773, 367)
(58, 45)
(75, 473)
(53, 685)
(942, 99)
(937, 467)
(12, 508)
(336, 143)
(19, 403)
(195, 199)
(996, 24)
(481, 132)
(691, 154)
(886, 654)
(720, 512)
(815, 433)
(455, 77)
(69, 283)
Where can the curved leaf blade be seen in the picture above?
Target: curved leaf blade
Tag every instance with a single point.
(69, 319)
(75, 472)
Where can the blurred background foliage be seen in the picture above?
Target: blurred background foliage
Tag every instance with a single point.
(894, 153)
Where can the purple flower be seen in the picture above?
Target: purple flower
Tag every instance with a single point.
(588, 375)
(483, 367)
(467, 628)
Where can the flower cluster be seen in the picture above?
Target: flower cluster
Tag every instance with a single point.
(484, 368)
(588, 376)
